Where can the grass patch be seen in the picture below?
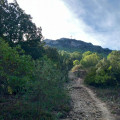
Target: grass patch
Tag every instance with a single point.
(111, 96)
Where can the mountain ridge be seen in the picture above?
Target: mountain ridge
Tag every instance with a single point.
(72, 45)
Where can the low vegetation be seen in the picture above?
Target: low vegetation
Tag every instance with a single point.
(101, 71)
(32, 75)
(102, 74)
(30, 88)
(106, 72)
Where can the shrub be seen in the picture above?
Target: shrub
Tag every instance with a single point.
(103, 74)
(76, 62)
(90, 77)
(47, 89)
(90, 60)
(77, 67)
(15, 70)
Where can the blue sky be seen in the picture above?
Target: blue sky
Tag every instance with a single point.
(102, 16)
(95, 21)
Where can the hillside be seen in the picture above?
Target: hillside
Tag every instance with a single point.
(72, 45)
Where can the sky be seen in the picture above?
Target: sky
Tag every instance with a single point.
(95, 21)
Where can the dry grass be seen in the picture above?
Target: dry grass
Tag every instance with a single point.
(111, 96)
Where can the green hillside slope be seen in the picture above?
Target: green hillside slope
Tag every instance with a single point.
(72, 45)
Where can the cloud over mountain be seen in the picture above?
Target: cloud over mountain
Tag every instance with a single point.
(95, 21)
(102, 16)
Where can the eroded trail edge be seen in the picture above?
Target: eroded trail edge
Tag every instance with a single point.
(85, 104)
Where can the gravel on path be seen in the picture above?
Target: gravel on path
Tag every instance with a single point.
(85, 104)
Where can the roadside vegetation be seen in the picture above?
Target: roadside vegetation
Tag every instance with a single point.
(102, 74)
(32, 75)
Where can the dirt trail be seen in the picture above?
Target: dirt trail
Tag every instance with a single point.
(85, 105)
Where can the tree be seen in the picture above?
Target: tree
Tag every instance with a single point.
(76, 62)
(76, 56)
(66, 60)
(106, 72)
(86, 53)
(52, 53)
(114, 58)
(90, 60)
(15, 69)
(16, 25)
(17, 28)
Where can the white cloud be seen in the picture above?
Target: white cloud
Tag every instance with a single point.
(102, 16)
(89, 20)
(56, 20)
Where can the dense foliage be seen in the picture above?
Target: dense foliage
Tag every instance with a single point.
(87, 61)
(100, 71)
(106, 72)
(15, 69)
(16, 25)
(90, 60)
(32, 75)
(17, 28)
(37, 83)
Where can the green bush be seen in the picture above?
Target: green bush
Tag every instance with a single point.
(106, 72)
(114, 59)
(90, 60)
(86, 53)
(39, 84)
(15, 69)
(76, 62)
(47, 90)
(90, 77)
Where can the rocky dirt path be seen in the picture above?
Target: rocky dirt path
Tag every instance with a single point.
(85, 105)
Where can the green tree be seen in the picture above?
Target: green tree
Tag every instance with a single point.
(52, 53)
(106, 72)
(76, 56)
(16, 25)
(76, 62)
(90, 60)
(86, 53)
(114, 58)
(15, 69)
(17, 28)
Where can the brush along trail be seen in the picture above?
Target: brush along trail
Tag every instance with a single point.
(85, 104)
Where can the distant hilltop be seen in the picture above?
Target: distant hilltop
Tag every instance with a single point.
(72, 45)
